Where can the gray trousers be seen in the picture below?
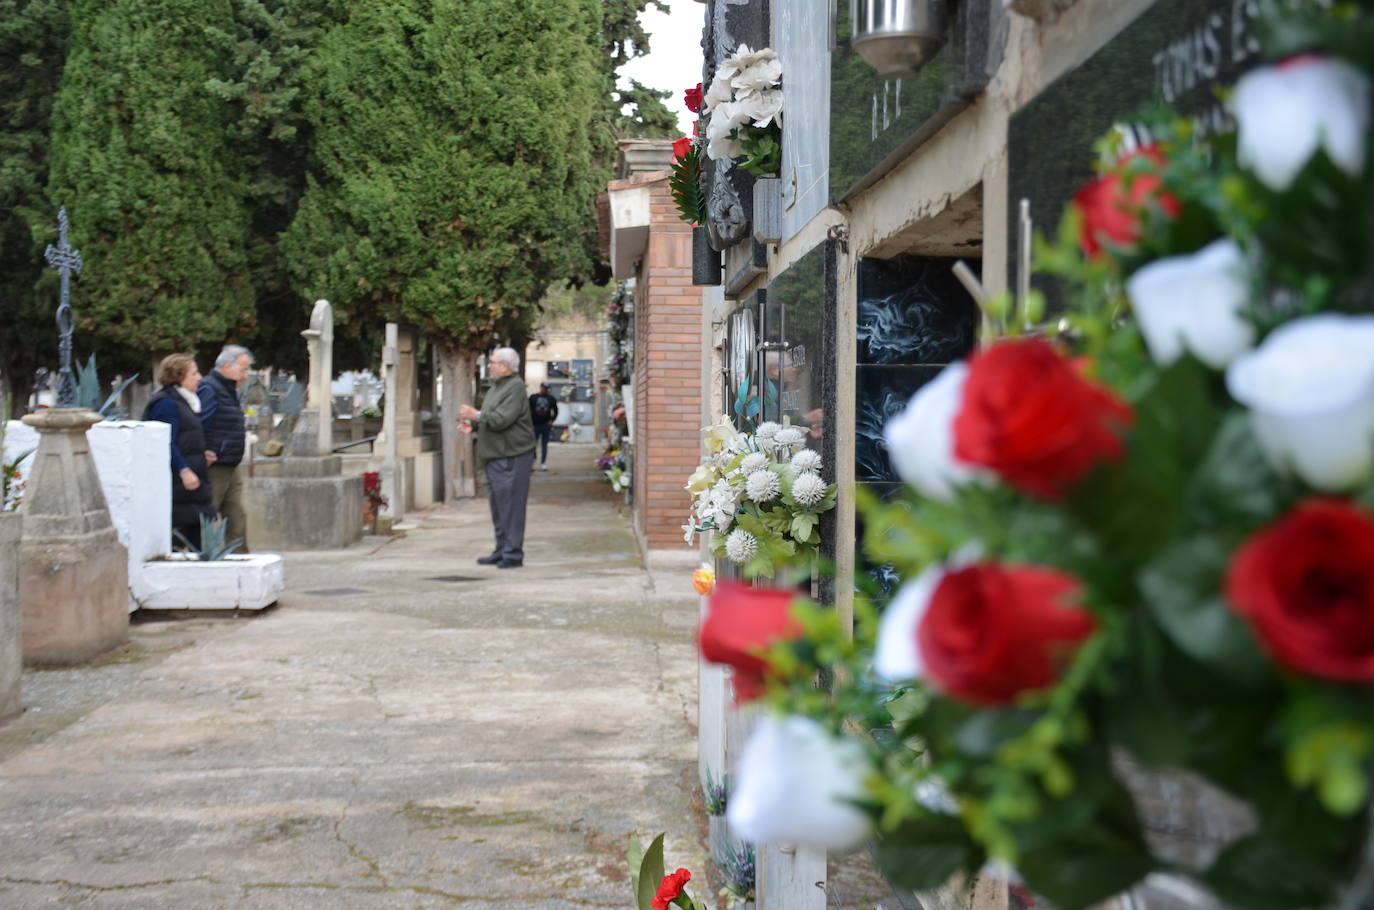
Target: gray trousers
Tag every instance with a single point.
(227, 482)
(508, 490)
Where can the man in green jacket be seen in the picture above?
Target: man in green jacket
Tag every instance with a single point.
(505, 449)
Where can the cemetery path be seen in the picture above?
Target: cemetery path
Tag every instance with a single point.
(405, 730)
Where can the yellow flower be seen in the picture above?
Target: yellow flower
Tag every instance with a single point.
(704, 580)
(702, 479)
(718, 435)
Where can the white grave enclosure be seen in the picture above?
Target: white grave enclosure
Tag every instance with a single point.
(132, 459)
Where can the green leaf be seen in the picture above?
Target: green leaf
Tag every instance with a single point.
(650, 875)
(1234, 485)
(803, 523)
(634, 856)
(922, 854)
(1096, 860)
(1182, 588)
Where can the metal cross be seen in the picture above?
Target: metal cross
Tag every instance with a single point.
(67, 261)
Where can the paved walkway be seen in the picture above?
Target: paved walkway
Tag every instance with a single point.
(405, 730)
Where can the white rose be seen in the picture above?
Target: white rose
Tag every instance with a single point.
(896, 657)
(757, 76)
(743, 58)
(1194, 303)
(1310, 391)
(793, 786)
(761, 107)
(1285, 113)
(920, 440)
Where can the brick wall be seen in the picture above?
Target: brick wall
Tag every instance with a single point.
(667, 377)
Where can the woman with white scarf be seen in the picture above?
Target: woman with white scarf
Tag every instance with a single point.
(177, 404)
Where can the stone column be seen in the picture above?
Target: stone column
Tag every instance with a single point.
(11, 648)
(74, 573)
(386, 445)
(314, 433)
(407, 388)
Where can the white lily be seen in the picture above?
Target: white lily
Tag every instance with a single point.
(920, 440)
(795, 785)
(1310, 390)
(1194, 302)
(1285, 113)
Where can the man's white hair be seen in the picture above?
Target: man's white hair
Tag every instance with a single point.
(509, 357)
(231, 354)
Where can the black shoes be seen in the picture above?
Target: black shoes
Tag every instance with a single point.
(493, 559)
(510, 564)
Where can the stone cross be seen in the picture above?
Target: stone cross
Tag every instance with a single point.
(320, 340)
(67, 262)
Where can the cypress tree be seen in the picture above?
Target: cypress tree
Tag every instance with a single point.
(144, 161)
(33, 48)
(454, 170)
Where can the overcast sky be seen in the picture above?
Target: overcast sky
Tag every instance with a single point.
(674, 58)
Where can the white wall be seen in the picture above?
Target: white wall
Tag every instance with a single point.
(132, 459)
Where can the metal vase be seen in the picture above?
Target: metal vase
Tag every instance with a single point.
(898, 37)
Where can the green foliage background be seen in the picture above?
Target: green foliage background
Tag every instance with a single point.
(226, 162)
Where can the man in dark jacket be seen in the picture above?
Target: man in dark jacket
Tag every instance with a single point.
(543, 411)
(226, 436)
(505, 448)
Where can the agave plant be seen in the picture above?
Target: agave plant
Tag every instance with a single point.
(212, 545)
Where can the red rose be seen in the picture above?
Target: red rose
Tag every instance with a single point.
(682, 146)
(670, 888)
(1305, 584)
(1112, 210)
(741, 624)
(992, 632)
(1028, 415)
(693, 98)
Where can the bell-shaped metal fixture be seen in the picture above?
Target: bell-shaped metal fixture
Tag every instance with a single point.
(898, 37)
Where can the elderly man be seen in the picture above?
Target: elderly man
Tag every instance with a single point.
(505, 448)
(225, 436)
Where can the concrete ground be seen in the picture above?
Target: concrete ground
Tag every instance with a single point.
(406, 729)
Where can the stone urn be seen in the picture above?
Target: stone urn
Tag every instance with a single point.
(11, 635)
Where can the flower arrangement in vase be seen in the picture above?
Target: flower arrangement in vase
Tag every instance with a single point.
(744, 103)
(1130, 546)
(760, 496)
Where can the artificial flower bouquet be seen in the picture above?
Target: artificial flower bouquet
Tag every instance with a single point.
(1132, 547)
(760, 496)
(744, 102)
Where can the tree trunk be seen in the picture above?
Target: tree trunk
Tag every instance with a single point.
(460, 466)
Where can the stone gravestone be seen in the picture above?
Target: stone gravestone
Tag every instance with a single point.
(74, 575)
(303, 501)
(1176, 53)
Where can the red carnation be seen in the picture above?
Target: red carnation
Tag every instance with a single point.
(693, 98)
(740, 625)
(1028, 415)
(992, 632)
(1112, 205)
(682, 146)
(670, 888)
(1306, 585)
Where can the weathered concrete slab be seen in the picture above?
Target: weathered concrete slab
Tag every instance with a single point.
(392, 740)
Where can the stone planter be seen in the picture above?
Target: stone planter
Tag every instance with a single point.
(180, 582)
(11, 639)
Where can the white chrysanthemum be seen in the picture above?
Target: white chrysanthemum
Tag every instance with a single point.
(806, 460)
(767, 430)
(763, 486)
(740, 547)
(754, 461)
(808, 489)
(790, 438)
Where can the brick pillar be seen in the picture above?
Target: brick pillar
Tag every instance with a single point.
(667, 377)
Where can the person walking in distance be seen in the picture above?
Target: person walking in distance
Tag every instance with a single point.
(543, 411)
(505, 449)
(177, 405)
(226, 435)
